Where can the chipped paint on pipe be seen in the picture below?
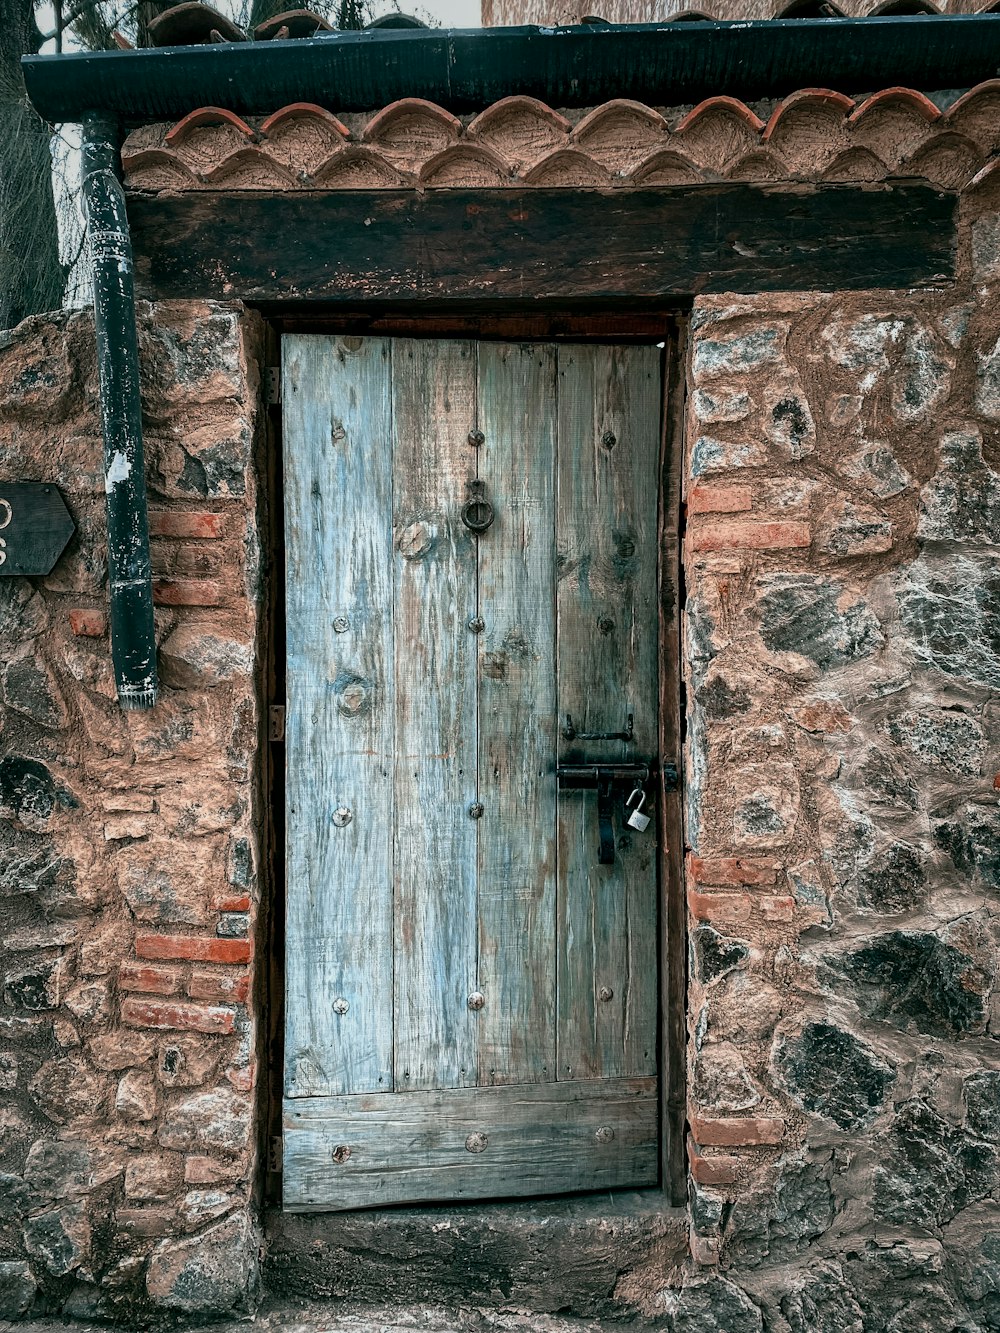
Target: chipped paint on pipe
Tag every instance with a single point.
(133, 641)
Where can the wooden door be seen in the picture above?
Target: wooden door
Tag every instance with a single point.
(471, 997)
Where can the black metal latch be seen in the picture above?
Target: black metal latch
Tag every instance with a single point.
(609, 780)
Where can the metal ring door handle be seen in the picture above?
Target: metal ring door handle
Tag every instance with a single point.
(477, 512)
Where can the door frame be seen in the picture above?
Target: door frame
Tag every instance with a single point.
(669, 328)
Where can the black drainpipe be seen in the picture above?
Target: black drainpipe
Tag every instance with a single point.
(133, 641)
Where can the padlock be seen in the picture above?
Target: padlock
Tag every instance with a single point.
(637, 819)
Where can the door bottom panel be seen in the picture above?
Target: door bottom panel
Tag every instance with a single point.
(367, 1150)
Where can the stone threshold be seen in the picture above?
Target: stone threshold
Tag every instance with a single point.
(591, 1256)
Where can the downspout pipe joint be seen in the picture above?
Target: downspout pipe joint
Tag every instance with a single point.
(133, 639)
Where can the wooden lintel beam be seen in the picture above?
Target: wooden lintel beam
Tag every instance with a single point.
(522, 246)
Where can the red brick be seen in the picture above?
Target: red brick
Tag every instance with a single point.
(184, 523)
(198, 948)
(187, 592)
(719, 499)
(88, 623)
(749, 536)
(731, 870)
(145, 977)
(996, 782)
(243, 1080)
(219, 986)
(233, 903)
(209, 1171)
(777, 909)
(705, 1249)
(711, 1170)
(175, 1015)
(737, 1132)
(725, 907)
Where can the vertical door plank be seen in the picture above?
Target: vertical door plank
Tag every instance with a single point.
(338, 542)
(516, 716)
(436, 943)
(608, 464)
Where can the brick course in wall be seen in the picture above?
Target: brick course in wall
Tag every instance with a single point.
(842, 664)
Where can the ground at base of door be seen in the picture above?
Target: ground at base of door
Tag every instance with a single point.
(342, 1318)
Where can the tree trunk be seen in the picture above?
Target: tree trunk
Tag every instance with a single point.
(31, 277)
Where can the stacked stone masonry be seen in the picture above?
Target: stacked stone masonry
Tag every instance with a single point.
(842, 664)
(130, 848)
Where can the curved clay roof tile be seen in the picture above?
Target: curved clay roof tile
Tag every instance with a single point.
(856, 164)
(887, 97)
(807, 97)
(192, 24)
(411, 107)
(713, 106)
(296, 112)
(157, 169)
(615, 114)
(292, 24)
(568, 167)
(358, 168)
(949, 160)
(249, 169)
(667, 167)
(523, 107)
(465, 166)
(901, 8)
(205, 116)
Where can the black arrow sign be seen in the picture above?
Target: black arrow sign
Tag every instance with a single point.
(35, 526)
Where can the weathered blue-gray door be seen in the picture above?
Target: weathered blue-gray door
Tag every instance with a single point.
(471, 996)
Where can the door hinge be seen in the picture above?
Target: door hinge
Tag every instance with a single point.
(272, 386)
(274, 1154)
(276, 722)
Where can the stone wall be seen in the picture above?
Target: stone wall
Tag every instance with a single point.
(843, 648)
(843, 663)
(128, 842)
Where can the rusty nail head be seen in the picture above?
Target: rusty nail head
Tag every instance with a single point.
(477, 999)
(342, 816)
(340, 1005)
(476, 438)
(341, 1153)
(477, 1142)
(605, 994)
(341, 625)
(476, 810)
(477, 624)
(605, 1134)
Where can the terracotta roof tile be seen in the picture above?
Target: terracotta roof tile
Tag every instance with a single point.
(411, 130)
(814, 134)
(521, 129)
(302, 136)
(667, 167)
(193, 24)
(948, 159)
(896, 97)
(569, 167)
(617, 132)
(206, 116)
(157, 169)
(812, 100)
(357, 167)
(249, 169)
(293, 23)
(466, 165)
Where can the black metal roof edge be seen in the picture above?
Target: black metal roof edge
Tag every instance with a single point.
(466, 69)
